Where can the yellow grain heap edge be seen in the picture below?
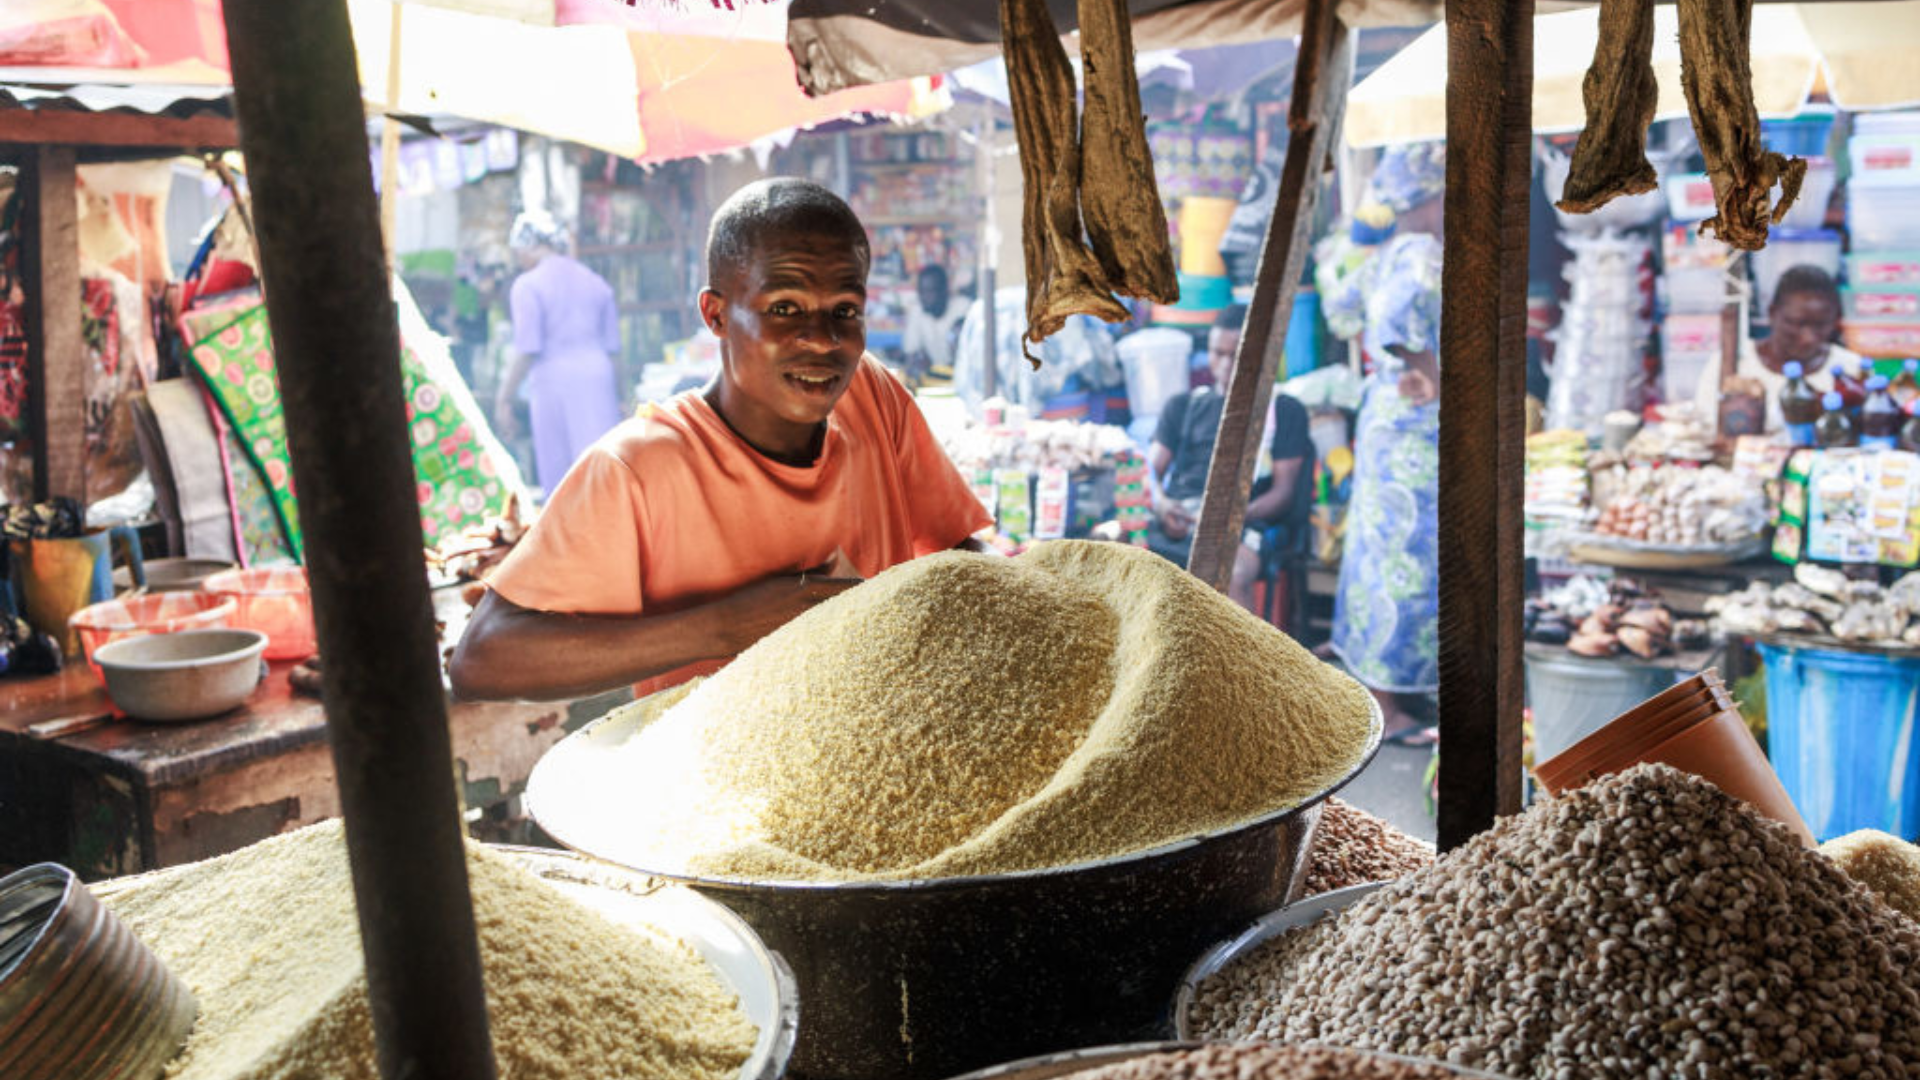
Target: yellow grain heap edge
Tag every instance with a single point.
(1883, 863)
(269, 943)
(966, 714)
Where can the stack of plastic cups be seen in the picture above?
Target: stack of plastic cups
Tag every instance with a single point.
(1695, 727)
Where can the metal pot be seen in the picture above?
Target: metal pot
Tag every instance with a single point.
(1272, 925)
(1054, 1066)
(922, 979)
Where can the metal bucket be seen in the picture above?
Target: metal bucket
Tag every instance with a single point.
(918, 980)
(1053, 1066)
(81, 998)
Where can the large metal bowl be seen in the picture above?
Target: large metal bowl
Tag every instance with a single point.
(917, 980)
(1264, 929)
(1053, 1066)
(756, 975)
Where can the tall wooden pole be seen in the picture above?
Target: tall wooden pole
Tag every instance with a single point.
(1482, 409)
(337, 349)
(56, 370)
(1321, 81)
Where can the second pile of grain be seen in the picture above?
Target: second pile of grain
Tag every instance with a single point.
(268, 940)
(1352, 847)
(965, 714)
(1259, 1061)
(1646, 925)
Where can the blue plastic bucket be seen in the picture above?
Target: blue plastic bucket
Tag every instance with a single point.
(1840, 730)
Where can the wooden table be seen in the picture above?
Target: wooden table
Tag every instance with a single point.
(129, 796)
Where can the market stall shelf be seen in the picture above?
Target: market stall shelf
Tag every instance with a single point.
(1631, 555)
(108, 796)
(1079, 955)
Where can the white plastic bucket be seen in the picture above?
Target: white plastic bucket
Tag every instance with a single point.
(1157, 364)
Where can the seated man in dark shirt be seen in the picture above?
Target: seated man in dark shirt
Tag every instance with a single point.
(1182, 450)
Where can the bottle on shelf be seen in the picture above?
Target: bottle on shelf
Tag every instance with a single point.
(1905, 387)
(1879, 416)
(1910, 431)
(1852, 385)
(1799, 404)
(1835, 427)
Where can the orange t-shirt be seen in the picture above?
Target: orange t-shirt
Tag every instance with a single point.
(671, 509)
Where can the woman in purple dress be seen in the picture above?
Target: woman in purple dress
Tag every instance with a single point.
(565, 328)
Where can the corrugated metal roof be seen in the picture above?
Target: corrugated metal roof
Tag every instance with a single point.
(151, 100)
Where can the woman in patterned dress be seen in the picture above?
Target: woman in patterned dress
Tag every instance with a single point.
(1386, 608)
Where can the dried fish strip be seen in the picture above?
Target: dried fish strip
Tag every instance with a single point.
(1620, 94)
(1063, 277)
(1718, 77)
(1118, 199)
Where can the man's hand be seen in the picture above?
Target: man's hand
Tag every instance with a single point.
(1416, 387)
(770, 603)
(1175, 521)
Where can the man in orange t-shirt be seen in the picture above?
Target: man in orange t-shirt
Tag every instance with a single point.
(696, 528)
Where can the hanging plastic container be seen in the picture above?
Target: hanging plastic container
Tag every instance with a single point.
(1156, 362)
(1840, 729)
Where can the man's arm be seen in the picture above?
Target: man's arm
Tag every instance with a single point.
(511, 652)
(1274, 502)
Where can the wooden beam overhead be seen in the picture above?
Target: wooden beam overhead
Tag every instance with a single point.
(1482, 409)
(66, 127)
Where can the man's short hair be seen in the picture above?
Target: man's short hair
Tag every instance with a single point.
(782, 204)
(1232, 318)
(1806, 280)
(934, 270)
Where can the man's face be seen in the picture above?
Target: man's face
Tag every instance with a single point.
(792, 326)
(1221, 346)
(1804, 323)
(933, 294)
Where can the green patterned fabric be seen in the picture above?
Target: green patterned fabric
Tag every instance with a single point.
(232, 353)
(463, 476)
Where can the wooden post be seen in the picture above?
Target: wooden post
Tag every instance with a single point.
(337, 349)
(1482, 410)
(1321, 81)
(56, 368)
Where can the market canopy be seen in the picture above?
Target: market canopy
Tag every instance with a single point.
(842, 43)
(1862, 52)
(650, 82)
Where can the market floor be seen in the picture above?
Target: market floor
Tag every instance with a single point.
(1392, 789)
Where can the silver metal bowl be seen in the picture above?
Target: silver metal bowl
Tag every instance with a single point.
(1052, 1066)
(1264, 929)
(80, 995)
(755, 974)
(184, 675)
(922, 979)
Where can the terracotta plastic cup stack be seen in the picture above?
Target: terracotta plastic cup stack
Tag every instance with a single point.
(1695, 727)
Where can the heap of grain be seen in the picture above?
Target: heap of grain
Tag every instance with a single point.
(1352, 847)
(966, 714)
(1259, 1061)
(1884, 863)
(269, 943)
(1646, 925)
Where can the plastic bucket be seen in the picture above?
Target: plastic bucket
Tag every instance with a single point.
(1156, 362)
(1573, 698)
(1840, 729)
(1693, 727)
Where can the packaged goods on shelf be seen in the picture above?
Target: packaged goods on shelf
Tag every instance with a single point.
(1600, 353)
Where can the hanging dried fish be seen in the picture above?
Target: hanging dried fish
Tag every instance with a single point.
(1063, 277)
(1125, 220)
(1718, 77)
(1620, 94)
